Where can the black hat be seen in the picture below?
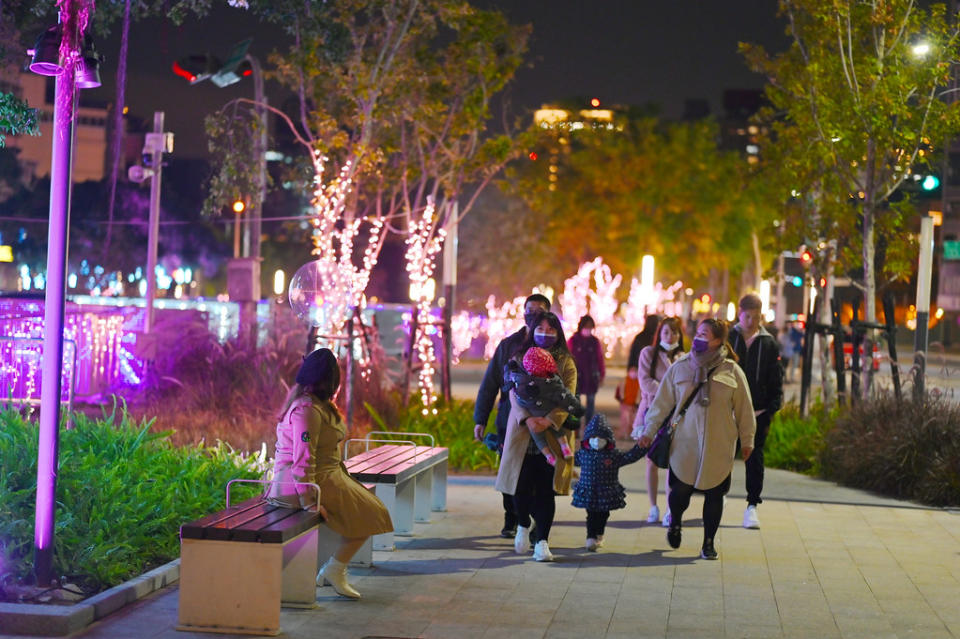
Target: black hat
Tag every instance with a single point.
(317, 366)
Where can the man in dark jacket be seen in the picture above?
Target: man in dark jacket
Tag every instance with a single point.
(493, 383)
(759, 357)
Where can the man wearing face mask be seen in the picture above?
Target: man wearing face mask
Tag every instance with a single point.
(759, 357)
(494, 383)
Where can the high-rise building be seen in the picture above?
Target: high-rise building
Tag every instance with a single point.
(90, 149)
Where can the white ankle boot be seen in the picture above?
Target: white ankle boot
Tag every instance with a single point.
(335, 573)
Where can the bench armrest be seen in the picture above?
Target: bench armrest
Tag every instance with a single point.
(270, 481)
(346, 444)
(433, 442)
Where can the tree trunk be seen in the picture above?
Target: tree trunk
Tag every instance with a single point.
(757, 261)
(869, 250)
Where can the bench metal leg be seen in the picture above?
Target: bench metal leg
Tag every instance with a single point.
(230, 587)
(328, 542)
(438, 496)
(423, 497)
(399, 500)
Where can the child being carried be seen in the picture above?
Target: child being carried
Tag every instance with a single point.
(540, 390)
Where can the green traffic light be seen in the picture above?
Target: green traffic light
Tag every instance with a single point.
(930, 182)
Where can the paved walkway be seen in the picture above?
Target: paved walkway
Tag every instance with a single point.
(827, 562)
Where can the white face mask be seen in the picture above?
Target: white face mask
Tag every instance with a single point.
(670, 346)
(598, 443)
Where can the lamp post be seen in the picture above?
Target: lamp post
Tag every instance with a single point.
(61, 170)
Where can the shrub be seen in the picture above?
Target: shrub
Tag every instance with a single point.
(795, 443)
(452, 426)
(909, 450)
(122, 493)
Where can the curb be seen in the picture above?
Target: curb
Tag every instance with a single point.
(44, 620)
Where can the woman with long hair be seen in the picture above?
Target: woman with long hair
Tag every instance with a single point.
(308, 451)
(705, 439)
(652, 366)
(524, 472)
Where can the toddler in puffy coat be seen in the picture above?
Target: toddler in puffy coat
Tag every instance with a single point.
(539, 390)
(599, 489)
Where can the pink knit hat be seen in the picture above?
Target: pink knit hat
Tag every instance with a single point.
(539, 362)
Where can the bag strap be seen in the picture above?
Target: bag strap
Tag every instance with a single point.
(686, 404)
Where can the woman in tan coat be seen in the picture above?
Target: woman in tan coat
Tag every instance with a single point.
(524, 472)
(654, 362)
(308, 451)
(705, 440)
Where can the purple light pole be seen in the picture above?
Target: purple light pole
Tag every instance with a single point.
(72, 13)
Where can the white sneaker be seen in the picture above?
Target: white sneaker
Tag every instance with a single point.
(541, 552)
(521, 543)
(667, 519)
(750, 519)
(592, 544)
(654, 515)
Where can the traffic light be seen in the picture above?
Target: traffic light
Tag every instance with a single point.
(197, 68)
(806, 257)
(239, 206)
(930, 183)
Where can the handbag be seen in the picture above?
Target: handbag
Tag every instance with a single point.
(659, 451)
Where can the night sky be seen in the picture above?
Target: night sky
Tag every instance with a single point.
(620, 51)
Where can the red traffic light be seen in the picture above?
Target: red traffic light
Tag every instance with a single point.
(806, 257)
(533, 156)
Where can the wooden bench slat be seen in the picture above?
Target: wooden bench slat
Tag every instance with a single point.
(401, 465)
(254, 521)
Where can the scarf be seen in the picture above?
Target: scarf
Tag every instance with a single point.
(702, 364)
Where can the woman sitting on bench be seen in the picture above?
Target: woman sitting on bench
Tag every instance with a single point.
(308, 450)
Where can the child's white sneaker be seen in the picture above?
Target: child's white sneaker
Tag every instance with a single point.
(654, 515)
(521, 543)
(541, 552)
(592, 544)
(667, 519)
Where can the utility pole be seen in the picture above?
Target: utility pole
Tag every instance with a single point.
(924, 276)
(155, 144)
(449, 292)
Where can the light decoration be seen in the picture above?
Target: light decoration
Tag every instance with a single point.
(464, 328)
(342, 283)
(424, 241)
(502, 320)
(599, 301)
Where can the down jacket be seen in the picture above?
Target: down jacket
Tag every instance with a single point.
(599, 486)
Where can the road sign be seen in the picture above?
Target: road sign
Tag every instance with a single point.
(227, 74)
(951, 250)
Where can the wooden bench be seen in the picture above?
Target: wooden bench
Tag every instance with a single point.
(240, 565)
(411, 480)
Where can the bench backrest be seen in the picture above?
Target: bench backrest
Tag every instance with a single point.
(253, 520)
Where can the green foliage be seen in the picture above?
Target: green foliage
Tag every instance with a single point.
(16, 117)
(908, 449)
(795, 443)
(452, 426)
(122, 493)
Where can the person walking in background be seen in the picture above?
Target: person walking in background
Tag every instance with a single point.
(493, 383)
(591, 369)
(524, 471)
(759, 357)
(628, 393)
(791, 345)
(308, 450)
(599, 490)
(653, 365)
(704, 443)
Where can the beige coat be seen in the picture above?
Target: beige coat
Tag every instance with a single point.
(518, 436)
(648, 384)
(705, 440)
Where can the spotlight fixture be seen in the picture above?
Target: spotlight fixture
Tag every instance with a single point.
(88, 66)
(46, 53)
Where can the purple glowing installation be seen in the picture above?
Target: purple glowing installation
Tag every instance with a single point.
(72, 13)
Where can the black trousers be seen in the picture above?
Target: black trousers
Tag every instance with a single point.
(712, 503)
(754, 463)
(597, 522)
(534, 496)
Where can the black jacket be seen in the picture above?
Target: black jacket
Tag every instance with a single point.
(761, 364)
(493, 383)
